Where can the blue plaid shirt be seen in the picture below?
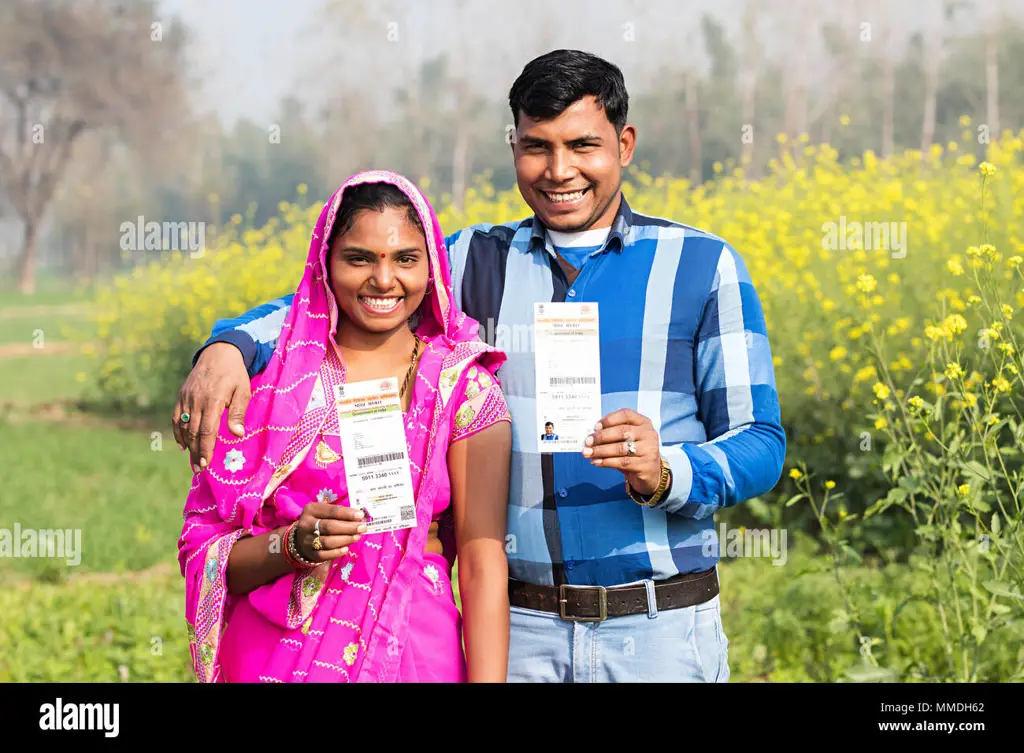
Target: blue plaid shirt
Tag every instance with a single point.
(683, 341)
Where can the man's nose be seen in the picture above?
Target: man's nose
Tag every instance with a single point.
(560, 167)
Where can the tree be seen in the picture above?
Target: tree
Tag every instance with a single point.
(68, 68)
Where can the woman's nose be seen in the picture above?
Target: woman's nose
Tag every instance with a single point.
(383, 276)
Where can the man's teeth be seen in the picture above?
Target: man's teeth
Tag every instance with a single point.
(560, 197)
(382, 304)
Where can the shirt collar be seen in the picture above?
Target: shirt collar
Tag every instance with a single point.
(616, 240)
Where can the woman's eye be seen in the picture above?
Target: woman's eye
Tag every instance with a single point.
(408, 260)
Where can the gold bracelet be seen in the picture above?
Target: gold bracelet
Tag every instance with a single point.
(666, 475)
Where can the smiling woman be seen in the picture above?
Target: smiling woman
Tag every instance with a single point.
(378, 269)
(284, 581)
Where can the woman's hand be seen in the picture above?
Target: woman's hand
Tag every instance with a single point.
(340, 527)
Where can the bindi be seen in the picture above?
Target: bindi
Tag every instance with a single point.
(383, 256)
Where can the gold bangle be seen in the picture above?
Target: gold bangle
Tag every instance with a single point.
(666, 474)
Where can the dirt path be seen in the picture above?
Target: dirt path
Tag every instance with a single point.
(10, 350)
(70, 413)
(20, 312)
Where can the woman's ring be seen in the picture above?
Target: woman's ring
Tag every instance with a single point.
(630, 447)
(317, 544)
(316, 528)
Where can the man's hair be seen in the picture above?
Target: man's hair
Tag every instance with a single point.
(375, 196)
(552, 82)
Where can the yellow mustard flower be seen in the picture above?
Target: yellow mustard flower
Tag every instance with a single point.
(866, 283)
(953, 371)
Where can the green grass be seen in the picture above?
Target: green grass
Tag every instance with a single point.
(86, 631)
(38, 378)
(55, 326)
(125, 497)
(50, 291)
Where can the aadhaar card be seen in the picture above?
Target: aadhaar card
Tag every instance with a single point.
(374, 450)
(568, 373)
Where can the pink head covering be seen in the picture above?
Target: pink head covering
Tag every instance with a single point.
(227, 499)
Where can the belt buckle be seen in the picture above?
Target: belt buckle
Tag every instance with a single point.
(603, 602)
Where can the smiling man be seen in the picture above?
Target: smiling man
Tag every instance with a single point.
(610, 576)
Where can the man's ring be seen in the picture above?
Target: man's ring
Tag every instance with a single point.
(630, 447)
(184, 418)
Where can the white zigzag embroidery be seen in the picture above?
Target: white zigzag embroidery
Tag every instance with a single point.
(330, 666)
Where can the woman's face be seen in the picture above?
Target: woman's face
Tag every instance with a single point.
(379, 269)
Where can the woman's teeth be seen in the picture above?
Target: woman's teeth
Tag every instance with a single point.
(381, 304)
(559, 198)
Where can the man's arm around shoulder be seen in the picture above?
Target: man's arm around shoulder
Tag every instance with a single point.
(238, 348)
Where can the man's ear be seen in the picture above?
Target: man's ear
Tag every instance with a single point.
(627, 145)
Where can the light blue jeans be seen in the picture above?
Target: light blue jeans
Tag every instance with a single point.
(676, 645)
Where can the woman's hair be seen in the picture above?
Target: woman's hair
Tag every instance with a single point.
(375, 196)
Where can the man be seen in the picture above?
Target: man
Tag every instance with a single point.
(549, 433)
(611, 578)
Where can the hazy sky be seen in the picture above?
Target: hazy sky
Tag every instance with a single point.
(250, 53)
(242, 50)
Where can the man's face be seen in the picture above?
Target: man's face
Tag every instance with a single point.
(578, 151)
(549, 428)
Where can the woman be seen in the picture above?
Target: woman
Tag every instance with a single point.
(263, 604)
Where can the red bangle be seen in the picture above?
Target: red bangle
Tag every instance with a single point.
(284, 549)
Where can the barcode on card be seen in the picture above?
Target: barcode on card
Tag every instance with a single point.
(571, 381)
(407, 513)
(385, 457)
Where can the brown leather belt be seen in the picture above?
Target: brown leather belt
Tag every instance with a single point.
(597, 603)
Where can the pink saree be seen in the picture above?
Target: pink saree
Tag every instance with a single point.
(385, 612)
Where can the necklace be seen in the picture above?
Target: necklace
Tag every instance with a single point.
(408, 374)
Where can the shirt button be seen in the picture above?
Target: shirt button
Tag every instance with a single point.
(563, 492)
(572, 293)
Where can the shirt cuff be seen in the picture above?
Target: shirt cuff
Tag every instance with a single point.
(678, 499)
(239, 339)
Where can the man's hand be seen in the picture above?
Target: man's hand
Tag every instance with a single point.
(608, 447)
(219, 380)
